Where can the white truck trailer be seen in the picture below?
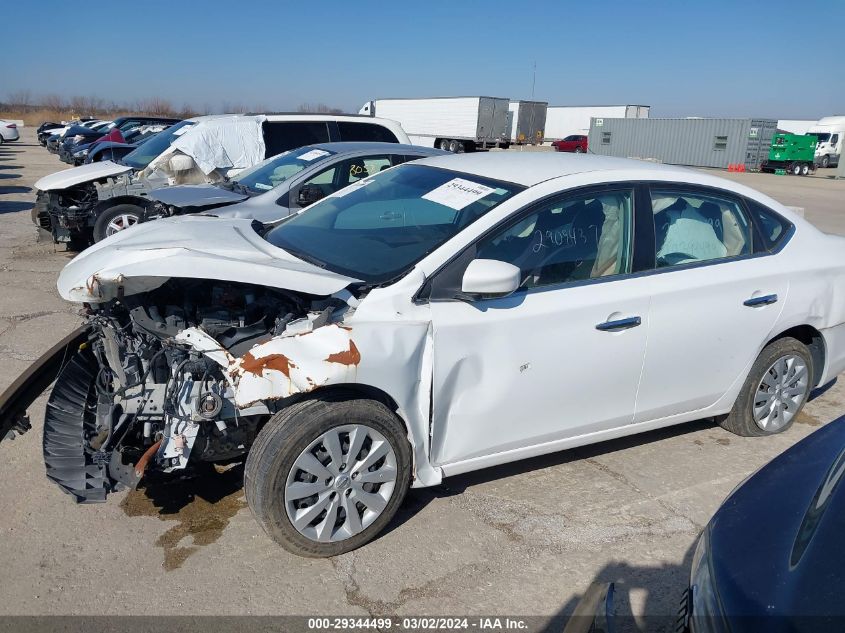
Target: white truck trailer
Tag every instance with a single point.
(527, 121)
(455, 124)
(563, 121)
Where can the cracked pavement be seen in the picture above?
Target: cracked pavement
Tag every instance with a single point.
(522, 539)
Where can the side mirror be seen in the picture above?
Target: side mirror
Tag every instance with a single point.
(309, 194)
(490, 278)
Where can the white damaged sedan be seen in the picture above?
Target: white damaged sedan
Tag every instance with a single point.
(436, 318)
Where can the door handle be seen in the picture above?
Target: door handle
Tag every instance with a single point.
(619, 325)
(765, 300)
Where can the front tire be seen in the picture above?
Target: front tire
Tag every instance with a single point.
(825, 163)
(776, 390)
(324, 477)
(117, 218)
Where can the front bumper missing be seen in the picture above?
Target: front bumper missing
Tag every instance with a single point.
(20, 395)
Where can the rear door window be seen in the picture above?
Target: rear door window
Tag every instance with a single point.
(370, 132)
(281, 136)
(772, 227)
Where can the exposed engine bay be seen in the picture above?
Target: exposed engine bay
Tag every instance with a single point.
(142, 399)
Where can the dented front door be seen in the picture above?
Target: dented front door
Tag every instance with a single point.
(535, 367)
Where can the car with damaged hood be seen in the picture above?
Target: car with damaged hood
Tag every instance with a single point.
(93, 201)
(286, 183)
(445, 315)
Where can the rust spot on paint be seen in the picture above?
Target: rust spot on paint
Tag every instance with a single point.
(349, 357)
(256, 366)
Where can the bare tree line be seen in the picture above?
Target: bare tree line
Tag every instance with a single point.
(22, 102)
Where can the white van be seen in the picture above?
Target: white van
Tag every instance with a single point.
(830, 130)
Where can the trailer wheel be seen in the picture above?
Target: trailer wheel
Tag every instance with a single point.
(456, 147)
(805, 169)
(444, 144)
(796, 169)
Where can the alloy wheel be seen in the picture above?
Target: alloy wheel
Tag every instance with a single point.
(120, 222)
(781, 392)
(340, 483)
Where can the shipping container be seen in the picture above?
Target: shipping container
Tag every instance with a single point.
(563, 121)
(694, 142)
(527, 121)
(456, 124)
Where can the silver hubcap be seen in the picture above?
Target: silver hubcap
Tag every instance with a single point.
(120, 222)
(341, 483)
(781, 393)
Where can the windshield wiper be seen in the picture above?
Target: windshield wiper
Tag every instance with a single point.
(304, 256)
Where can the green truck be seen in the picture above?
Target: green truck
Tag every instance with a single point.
(791, 154)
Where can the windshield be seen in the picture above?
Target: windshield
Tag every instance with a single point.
(143, 155)
(377, 228)
(821, 136)
(274, 171)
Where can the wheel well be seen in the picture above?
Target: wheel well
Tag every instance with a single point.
(814, 341)
(105, 205)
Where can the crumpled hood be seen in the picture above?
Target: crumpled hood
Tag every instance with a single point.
(196, 195)
(145, 256)
(79, 175)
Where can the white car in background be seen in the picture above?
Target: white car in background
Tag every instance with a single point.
(442, 316)
(8, 131)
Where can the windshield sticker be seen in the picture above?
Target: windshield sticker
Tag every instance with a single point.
(261, 185)
(313, 155)
(458, 193)
(355, 186)
(181, 130)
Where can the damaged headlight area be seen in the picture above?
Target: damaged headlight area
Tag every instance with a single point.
(140, 396)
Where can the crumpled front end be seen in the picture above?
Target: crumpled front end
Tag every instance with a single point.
(184, 375)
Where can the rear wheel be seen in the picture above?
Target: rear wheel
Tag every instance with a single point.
(796, 169)
(325, 477)
(775, 391)
(456, 147)
(578, 150)
(444, 144)
(117, 218)
(805, 169)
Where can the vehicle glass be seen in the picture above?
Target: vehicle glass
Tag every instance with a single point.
(773, 227)
(274, 171)
(821, 136)
(580, 237)
(281, 136)
(834, 139)
(378, 228)
(143, 155)
(351, 131)
(693, 226)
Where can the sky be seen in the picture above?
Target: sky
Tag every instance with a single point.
(743, 58)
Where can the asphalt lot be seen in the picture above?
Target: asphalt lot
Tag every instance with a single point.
(524, 539)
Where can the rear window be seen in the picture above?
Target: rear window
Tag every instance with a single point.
(372, 132)
(773, 228)
(281, 136)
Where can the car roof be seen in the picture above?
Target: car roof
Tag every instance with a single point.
(346, 147)
(531, 168)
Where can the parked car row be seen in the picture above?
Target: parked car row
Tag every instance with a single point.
(352, 319)
(86, 204)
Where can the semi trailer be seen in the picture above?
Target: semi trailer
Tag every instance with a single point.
(455, 124)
